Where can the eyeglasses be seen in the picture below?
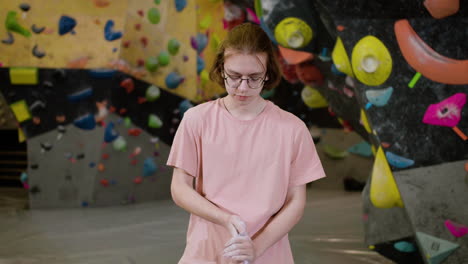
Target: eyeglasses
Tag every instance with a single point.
(252, 82)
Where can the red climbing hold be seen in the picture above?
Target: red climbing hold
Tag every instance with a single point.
(128, 85)
(134, 132)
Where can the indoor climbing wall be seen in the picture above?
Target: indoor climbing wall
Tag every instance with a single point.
(397, 70)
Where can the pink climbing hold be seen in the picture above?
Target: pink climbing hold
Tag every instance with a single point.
(458, 230)
(446, 113)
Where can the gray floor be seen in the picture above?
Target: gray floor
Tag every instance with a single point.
(330, 232)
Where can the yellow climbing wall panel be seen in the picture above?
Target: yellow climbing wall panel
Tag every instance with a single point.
(144, 39)
(210, 16)
(86, 48)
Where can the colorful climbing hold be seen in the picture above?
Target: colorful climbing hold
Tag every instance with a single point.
(153, 15)
(340, 59)
(149, 167)
(313, 98)
(379, 97)
(334, 152)
(120, 144)
(134, 132)
(10, 40)
(199, 42)
(371, 61)
(109, 33)
(294, 33)
(173, 80)
(200, 64)
(398, 161)
(128, 84)
(151, 64)
(37, 30)
(80, 95)
(152, 93)
(104, 182)
(447, 112)
(184, 106)
(180, 5)
(13, 25)
(24, 7)
(110, 134)
(173, 46)
(456, 229)
(362, 149)
(138, 180)
(154, 121)
(383, 189)
(404, 246)
(163, 58)
(66, 25)
(85, 122)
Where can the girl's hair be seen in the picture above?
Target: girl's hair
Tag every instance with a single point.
(250, 39)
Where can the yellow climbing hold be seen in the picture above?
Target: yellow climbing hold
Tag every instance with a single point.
(293, 33)
(215, 41)
(340, 58)
(365, 122)
(371, 61)
(24, 76)
(312, 98)
(383, 189)
(205, 23)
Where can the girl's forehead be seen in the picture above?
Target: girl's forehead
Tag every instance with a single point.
(247, 59)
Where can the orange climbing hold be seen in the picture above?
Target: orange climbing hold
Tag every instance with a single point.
(442, 8)
(128, 85)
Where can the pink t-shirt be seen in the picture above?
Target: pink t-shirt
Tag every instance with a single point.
(243, 167)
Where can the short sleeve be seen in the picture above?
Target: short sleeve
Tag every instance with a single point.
(306, 165)
(186, 145)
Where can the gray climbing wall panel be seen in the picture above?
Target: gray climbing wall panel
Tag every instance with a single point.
(79, 170)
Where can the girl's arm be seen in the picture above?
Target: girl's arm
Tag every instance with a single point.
(280, 224)
(186, 197)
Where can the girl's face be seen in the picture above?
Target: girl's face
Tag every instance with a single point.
(249, 67)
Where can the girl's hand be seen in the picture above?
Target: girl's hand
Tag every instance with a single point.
(235, 225)
(241, 249)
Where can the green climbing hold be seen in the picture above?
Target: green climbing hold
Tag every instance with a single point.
(12, 24)
(127, 122)
(334, 153)
(151, 64)
(163, 58)
(157, 2)
(154, 16)
(120, 144)
(154, 121)
(173, 46)
(152, 93)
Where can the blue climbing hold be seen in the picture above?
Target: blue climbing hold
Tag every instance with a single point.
(180, 5)
(173, 80)
(404, 246)
(200, 64)
(184, 106)
(149, 167)
(335, 71)
(110, 134)
(86, 122)
(24, 177)
(66, 25)
(102, 73)
(78, 96)
(199, 42)
(379, 97)
(362, 149)
(398, 161)
(109, 33)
